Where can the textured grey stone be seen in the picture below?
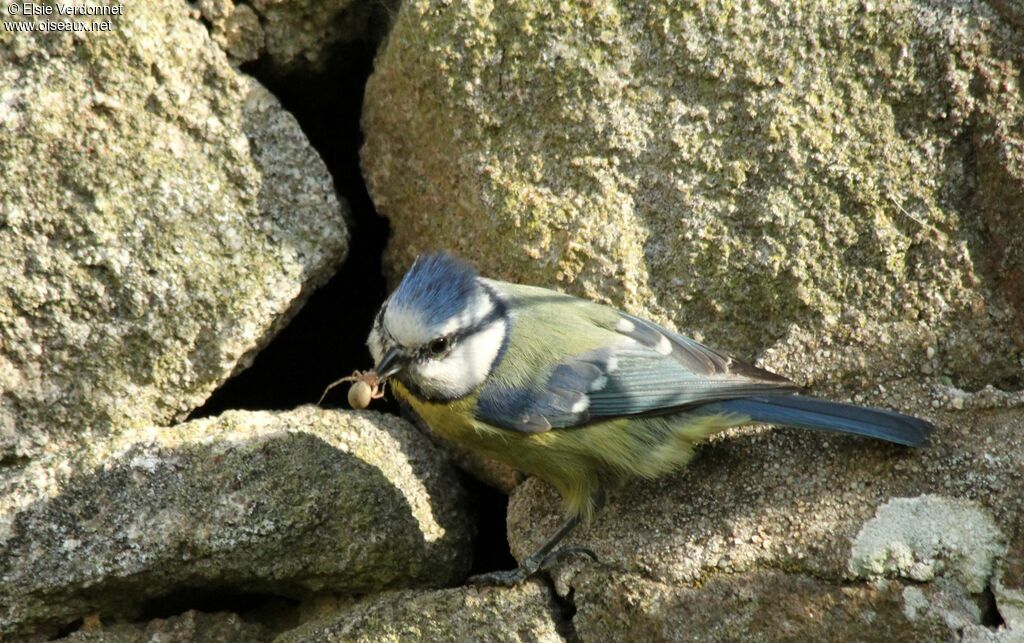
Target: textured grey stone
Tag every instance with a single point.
(927, 536)
(766, 605)
(160, 218)
(279, 503)
(524, 613)
(192, 626)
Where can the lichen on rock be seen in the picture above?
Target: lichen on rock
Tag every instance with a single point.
(293, 36)
(161, 218)
(925, 537)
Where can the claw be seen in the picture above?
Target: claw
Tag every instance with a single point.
(530, 566)
(562, 553)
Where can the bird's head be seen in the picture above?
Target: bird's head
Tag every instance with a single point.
(441, 332)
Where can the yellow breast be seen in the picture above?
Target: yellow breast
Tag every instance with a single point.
(452, 421)
(577, 460)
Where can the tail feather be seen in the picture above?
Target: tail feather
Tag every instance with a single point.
(811, 413)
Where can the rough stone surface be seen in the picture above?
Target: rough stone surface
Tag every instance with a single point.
(524, 613)
(293, 35)
(160, 218)
(236, 28)
(278, 503)
(1008, 587)
(822, 509)
(840, 180)
(192, 626)
(756, 605)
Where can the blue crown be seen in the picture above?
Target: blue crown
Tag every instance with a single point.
(438, 286)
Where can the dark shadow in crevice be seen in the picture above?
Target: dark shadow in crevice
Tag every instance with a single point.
(67, 630)
(326, 339)
(490, 507)
(990, 616)
(565, 608)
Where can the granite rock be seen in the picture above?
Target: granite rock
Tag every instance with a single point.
(161, 217)
(284, 504)
(525, 613)
(192, 626)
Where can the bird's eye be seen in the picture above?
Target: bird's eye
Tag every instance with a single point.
(439, 346)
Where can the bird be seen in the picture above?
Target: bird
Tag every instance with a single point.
(577, 393)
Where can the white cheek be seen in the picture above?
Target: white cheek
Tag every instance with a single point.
(466, 367)
(374, 344)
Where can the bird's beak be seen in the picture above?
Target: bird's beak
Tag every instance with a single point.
(390, 364)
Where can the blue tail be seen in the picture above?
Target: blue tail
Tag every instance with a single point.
(811, 413)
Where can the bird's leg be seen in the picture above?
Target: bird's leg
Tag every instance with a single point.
(536, 561)
(544, 557)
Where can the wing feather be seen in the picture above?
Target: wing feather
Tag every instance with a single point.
(648, 370)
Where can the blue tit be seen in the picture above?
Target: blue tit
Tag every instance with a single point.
(576, 393)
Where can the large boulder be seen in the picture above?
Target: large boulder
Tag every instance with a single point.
(285, 504)
(843, 179)
(161, 217)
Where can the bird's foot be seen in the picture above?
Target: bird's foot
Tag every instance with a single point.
(562, 553)
(530, 566)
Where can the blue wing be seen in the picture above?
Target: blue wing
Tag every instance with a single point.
(649, 371)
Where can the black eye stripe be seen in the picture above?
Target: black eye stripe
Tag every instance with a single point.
(454, 338)
(432, 349)
(499, 311)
